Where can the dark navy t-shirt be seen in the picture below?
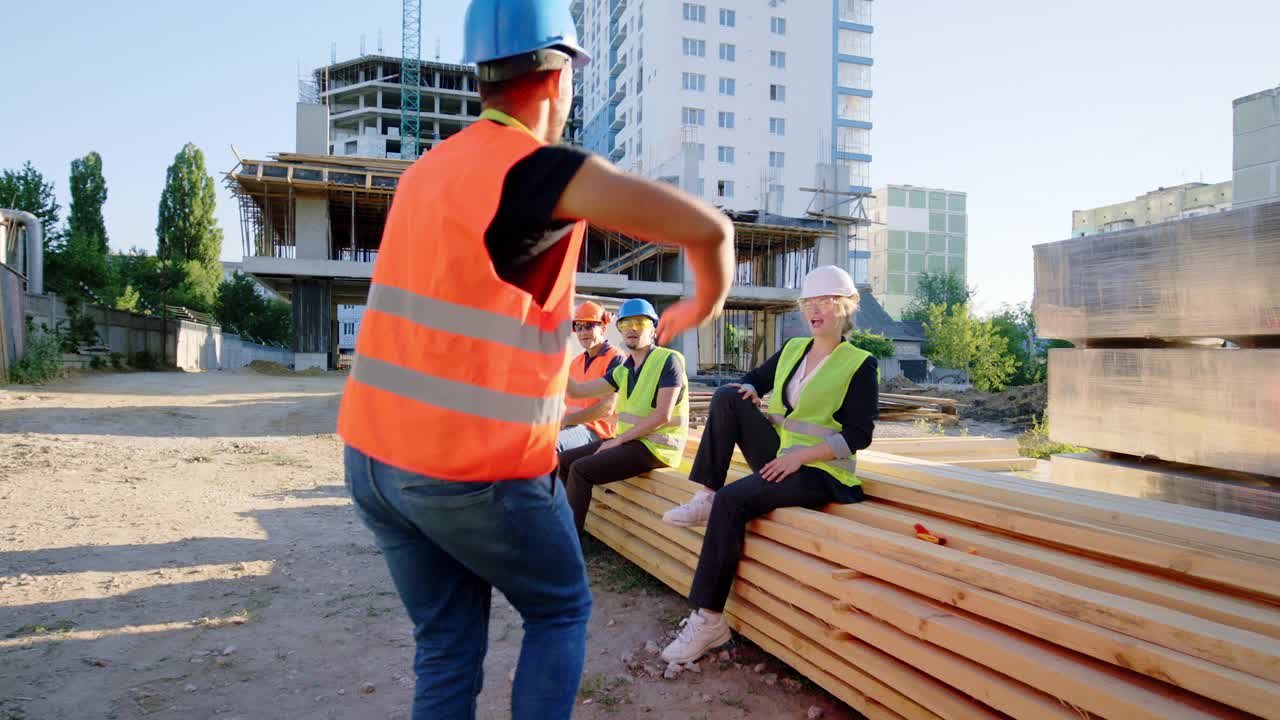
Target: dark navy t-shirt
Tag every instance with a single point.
(671, 376)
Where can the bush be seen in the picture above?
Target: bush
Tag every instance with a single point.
(878, 345)
(42, 360)
(117, 361)
(146, 360)
(1035, 442)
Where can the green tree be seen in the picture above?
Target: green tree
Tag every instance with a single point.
(1015, 325)
(129, 300)
(27, 190)
(946, 289)
(959, 340)
(189, 240)
(241, 308)
(137, 272)
(88, 194)
(878, 345)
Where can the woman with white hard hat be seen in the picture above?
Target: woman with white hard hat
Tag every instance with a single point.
(822, 409)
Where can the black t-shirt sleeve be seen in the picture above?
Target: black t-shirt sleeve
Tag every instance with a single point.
(614, 364)
(522, 230)
(608, 377)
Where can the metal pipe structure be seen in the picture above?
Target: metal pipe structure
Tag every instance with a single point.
(35, 248)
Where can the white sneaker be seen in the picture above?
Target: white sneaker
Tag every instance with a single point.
(691, 514)
(697, 636)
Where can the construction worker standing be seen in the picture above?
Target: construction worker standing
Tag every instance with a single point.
(589, 420)
(456, 393)
(653, 413)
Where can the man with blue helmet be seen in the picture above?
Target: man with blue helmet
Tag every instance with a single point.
(652, 408)
(456, 396)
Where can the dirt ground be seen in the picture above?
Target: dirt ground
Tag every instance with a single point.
(180, 545)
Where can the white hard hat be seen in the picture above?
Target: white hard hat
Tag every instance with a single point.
(828, 280)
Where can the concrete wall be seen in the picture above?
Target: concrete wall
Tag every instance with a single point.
(193, 346)
(238, 353)
(122, 332)
(1256, 162)
(311, 215)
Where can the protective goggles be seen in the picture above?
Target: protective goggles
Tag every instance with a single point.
(635, 323)
(825, 302)
(580, 325)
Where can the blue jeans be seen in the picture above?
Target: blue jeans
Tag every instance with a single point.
(446, 545)
(575, 436)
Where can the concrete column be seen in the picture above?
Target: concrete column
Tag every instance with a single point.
(313, 311)
(379, 98)
(311, 217)
(835, 250)
(312, 129)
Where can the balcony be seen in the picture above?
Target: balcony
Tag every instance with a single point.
(618, 123)
(617, 153)
(575, 8)
(617, 8)
(617, 63)
(618, 31)
(619, 94)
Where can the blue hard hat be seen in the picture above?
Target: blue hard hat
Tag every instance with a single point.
(497, 29)
(637, 307)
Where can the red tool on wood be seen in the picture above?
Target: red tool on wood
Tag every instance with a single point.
(923, 533)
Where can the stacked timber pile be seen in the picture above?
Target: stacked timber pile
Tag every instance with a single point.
(892, 407)
(1149, 309)
(1044, 602)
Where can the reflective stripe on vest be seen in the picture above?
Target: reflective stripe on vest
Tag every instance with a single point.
(635, 404)
(605, 427)
(459, 375)
(812, 420)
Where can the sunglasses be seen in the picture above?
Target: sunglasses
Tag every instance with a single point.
(585, 325)
(639, 323)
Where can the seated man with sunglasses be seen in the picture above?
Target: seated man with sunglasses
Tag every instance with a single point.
(587, 420)
(652, 407)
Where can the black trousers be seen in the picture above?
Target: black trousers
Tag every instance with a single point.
(582, 468)
(733, 420)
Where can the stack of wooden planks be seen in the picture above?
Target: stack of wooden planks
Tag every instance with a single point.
(892, 408)
(1044, 602)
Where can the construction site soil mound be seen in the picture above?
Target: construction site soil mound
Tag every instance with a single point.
(270, 367)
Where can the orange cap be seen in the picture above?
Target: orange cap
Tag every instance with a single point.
(591, 312)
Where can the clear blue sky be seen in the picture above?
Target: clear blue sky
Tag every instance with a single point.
(1033, 108)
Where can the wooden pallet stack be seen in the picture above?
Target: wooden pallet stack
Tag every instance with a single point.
(1149, 309)
(1045, 602)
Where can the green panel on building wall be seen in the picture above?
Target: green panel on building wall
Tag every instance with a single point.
(937, 201)
(915, 263)
(956, 244)
(956, 223)
(897, 240)
(955, 265)
(915, 198)
(913, 282)
(937, 243)
(897, 262)
(937, 222)
(955, 203)
(897, 285)
(897, 198)
(937, 263)
(917, 241)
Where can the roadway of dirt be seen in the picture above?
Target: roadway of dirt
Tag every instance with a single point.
(181, 546)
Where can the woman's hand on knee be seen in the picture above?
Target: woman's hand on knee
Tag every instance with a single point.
(780, 468)
(746, 391)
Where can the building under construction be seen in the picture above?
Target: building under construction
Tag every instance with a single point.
(311, 226)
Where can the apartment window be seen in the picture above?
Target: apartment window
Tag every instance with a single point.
(853, 75)
(777, 59)
(856, 11)
(853, 140)
(955, 244)
(726, 120)
(854, 107)
(897, 238)
(915, 199)
(955, 203)
(724, 189)
(937, 264)
(859, 172)
(937, 243)
(695, 13)
(726, 154)
(695, 48)
(937, 201)
(728, 52)
(956, 223)
(917, 242)
(778, 26)
(694, 81)
(775, 193)
(728, 86)
(777, 126)
(778, 93)
(937, 222)
(728, 18)
(897, 262)
(897, 198)
(777, 159)
(855, 42)
(693, 116)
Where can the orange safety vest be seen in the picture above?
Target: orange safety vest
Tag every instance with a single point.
(458, 374)
(605, 427)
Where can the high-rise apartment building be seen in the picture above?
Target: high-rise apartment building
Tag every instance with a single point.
(737, 102)
(1159, 205)
(915, 230)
